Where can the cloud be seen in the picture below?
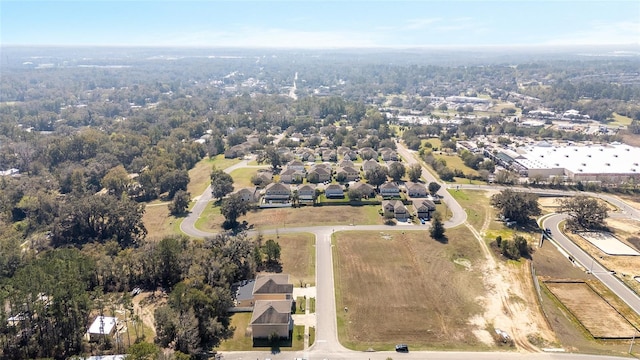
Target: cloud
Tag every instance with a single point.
(419, 24)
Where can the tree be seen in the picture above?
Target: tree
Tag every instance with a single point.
(232, 208)
(180, 202)
(433, 188)
(143, 351)
(377, 176)
(173, 181)
(516, 206)
(396, 170)
(584, 212)
(414, 172)
(437, 227)
(272, 251)
(221, 183)
(116, 180)
(354, 194)
(273, 157)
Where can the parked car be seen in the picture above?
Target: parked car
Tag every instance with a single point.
(402, 348)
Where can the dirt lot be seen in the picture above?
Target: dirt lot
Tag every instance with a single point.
(158, 222)
(406, 287)
(593, 312)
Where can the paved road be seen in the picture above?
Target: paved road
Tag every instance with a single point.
(591, 264)
(459, 215)
(327, 345)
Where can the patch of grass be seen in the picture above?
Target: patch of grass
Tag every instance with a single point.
(435, 143)
(620, 120)
(159, 223)
(313, 216)
(404, 287)
(242, 177)
(241, 339)
(312, 335)
(211, 219)
(200, 175)
(298, 257)
(455, 162)
(475, 203)
(300, 304)
(312, 305)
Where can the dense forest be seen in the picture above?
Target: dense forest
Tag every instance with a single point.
(96, 134)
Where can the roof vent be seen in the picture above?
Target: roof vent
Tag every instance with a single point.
(580, 170)
(615, 155)
(588, 155)
(627, 149)
(584, 164)
(607, 164)
(566, 155)
(601, 149)
(541, 155)
(557, 164)
(576, 149)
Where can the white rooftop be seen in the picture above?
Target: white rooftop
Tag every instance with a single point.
(102, 325)
(615, 158)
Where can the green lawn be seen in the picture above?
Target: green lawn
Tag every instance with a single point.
(211, 219)
(242, 341)
(199, 176)
(242, 177)
(620, 120)
(455, 162)
(475, 203)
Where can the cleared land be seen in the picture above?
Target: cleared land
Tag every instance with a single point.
(242, 177)
(200, 175)
(159, 223)
(298, 257)
(595, 314)
(406, 287)
(313, 216)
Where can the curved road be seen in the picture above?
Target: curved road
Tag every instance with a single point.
(327, 345)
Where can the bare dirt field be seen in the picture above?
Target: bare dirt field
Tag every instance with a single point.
(594, 313)
(406, 287)
(144, 306)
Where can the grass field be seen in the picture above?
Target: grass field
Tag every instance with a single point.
(211, 219)
(620, 120)
(455, 162)
(475, 203)
(313, 216)
(200, 175)
(159, 223)
(298, 257)
(595, 314)
(405, 287)
(242, 177)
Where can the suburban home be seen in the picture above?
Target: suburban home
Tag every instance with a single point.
(364, 188)
(416, 189)
(307, 155)
(389, 190)
(277, 193)
(102, 326)
(347, 153)
(249, 195)
(369, 165)
(307, 193)
(322, 172)
(235, 151)
(424, 208)
(349, 172)
(289, 175)
(368, 153)
(243, 294)
(435, 199)
(334, 191)
(329, 155)
(346, 163)
(271, 316)
(296, 165)
(396, 209)
(389, 155)
(272, 287)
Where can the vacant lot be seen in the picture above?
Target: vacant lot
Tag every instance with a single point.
(314, 216)
(298, 257)
(595, 314)
(242, 177)
(159, 223)
(200, 175)
(406, 287)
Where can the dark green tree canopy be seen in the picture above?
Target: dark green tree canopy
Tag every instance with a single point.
(585, 213)
(516, 205)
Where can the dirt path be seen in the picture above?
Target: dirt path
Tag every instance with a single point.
(508, 306)
(145, 304)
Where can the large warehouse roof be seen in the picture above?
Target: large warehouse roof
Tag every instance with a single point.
(615, 158)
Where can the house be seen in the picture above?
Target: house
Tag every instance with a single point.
(243, 295)
(329, 155)
(271, 316)
(434, 198)
(296, 165)
(272, 287)
(235, 151)
(416, 189)
(249, 195)
(102, 326)
(364, 188)
(319, 173)
(368, 153)
(349, 172)
(424, 208)
(289, 175)
(389, 155)
(347, 153)
(396, 209)
(369, 165)
(265, 176)
(277, 193)
(334, 191)
(307, 193)
(346, 163)
(389, 190)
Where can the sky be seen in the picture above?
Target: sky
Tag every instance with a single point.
(320, 23)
